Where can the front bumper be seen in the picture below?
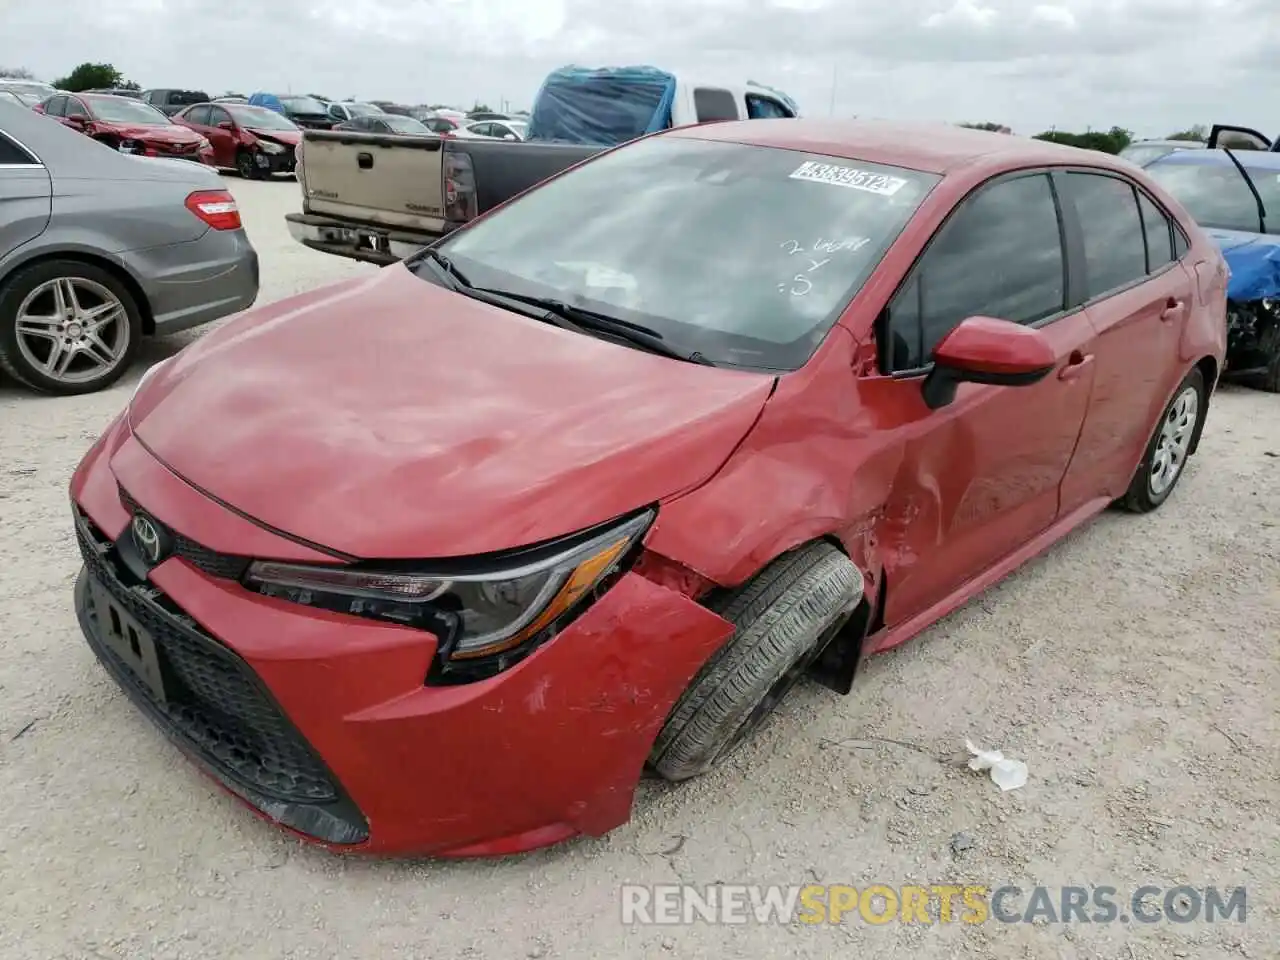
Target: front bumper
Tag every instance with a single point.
(275, 162)
(270, 693)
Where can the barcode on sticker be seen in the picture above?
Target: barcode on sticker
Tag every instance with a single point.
(850, 177)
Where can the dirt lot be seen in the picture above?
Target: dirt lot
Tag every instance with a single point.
(1134, 668)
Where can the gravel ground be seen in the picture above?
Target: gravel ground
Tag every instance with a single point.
(1134, 668)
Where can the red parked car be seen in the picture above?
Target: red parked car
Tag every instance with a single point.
(254, 141)
(127, 125)
(439, 560)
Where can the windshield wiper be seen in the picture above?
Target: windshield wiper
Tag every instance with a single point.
(641, 336)
(559, 313)
(1257, 197)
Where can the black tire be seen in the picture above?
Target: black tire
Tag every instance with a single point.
(245, 165)
(1144, 495)
(16, 289)
(784, 617)
(1269, 347)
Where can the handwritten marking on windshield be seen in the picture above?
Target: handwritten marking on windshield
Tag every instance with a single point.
(804, 283)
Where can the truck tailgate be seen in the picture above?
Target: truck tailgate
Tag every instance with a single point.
(376, 178)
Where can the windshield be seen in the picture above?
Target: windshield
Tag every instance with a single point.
(259, 118)
(363, 110)
(1144, 153)
(745, 254)
(1217, 196)
(122, 110)
(405, 124)
(302, 105)
(28, 88)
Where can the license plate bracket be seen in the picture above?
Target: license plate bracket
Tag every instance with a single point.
(129, 641)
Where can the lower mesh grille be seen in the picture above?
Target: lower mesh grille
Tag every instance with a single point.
(214, 702)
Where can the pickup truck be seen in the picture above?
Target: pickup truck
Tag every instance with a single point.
(379, 197)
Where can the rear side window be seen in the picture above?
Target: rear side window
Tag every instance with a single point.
(1180, 245)
(11, 153)
(712, 104)
(764, 108)
(198, 115)
(1115, 247)
(1159, 232)
(55, 106)
(1000, 255)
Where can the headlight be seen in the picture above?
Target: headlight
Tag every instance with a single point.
(474, 613)
(266, 146)
(203, 144)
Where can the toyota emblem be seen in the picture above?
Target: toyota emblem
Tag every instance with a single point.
(146, 537)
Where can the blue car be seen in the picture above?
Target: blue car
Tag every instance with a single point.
(1235, 196)
(307, 112)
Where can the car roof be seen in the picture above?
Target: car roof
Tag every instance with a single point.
(1253, 159)
(1184, 144)
(939, 148)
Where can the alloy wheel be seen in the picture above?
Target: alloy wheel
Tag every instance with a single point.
(73, 330)
(1174, 441)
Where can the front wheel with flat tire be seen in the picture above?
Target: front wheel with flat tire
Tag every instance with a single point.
(67, 327)
(1167, 451)
(245, 165)
(783, 617)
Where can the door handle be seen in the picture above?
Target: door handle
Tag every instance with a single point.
(1172, 310)
(1075, 366)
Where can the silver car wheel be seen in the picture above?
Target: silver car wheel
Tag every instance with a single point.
(1174, 441)
(73, 330)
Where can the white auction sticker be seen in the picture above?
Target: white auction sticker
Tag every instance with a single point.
(850, 177)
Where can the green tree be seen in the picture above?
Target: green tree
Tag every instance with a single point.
(481, 108)
(1198, 133)
(993, 127)
(17, 73)
(89, 76)
(1112, 141)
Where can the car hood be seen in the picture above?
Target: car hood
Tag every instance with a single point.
(1254, 260)
(174, 133)
(391, 418)
(288, 137)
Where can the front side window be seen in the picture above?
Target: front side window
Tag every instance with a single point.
(198, 115)
(1115, 249)
(55, 106)
(745, 254)
(764, 108)
(999, 255)
(1214, 193)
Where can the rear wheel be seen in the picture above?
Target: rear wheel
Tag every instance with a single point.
(1167, 451)
(784, 617)
(67, 327)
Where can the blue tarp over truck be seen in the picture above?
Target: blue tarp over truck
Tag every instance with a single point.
(605, 105)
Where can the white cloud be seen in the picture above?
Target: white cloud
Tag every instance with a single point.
(1151, 65)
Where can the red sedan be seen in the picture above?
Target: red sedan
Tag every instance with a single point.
(254, 141)
(127, 125)
(439, 560)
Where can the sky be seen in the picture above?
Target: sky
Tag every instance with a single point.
(1152, 66)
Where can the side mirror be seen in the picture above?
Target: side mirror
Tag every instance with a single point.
(225, 125)
(987, 350)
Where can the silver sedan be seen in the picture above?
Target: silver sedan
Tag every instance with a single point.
(99, 249)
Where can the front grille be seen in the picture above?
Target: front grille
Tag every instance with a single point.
(225, 565)
(214, 702)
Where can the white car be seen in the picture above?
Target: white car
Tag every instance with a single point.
(494, 129)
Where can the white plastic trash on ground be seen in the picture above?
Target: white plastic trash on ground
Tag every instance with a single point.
(1007, 774)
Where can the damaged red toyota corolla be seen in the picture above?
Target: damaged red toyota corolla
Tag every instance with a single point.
(438, 561)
